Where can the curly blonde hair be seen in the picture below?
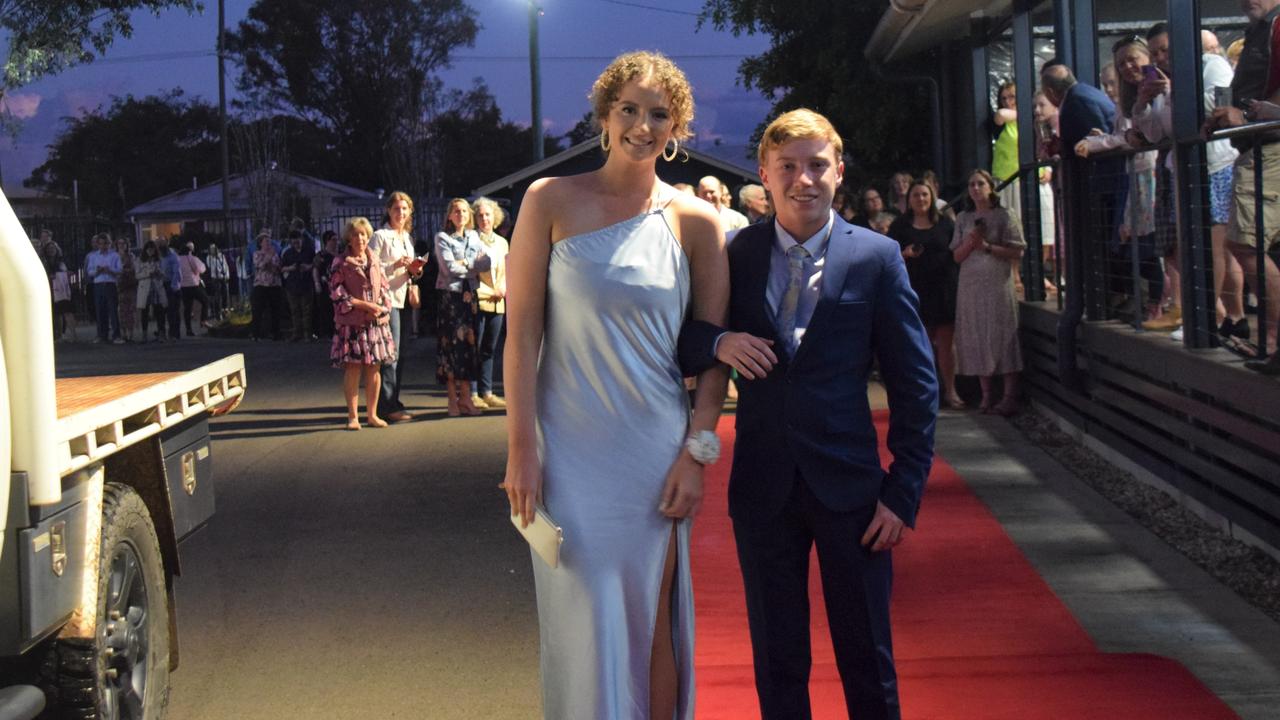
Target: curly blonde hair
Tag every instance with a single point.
(648, 65)
(356, 224)
(495, 208)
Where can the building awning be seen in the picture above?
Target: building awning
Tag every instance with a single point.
(912, 26)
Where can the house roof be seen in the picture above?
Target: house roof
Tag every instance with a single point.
(20, 193)
(542, 166)
(207, 199)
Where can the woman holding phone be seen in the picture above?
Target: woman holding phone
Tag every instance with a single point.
(1133, 64)
(925, 237)
(987, 244)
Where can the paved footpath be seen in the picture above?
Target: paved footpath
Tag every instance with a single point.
(374, 574)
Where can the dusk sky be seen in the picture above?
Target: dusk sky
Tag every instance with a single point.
(578, 37)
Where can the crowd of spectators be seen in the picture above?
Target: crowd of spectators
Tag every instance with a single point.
(1121, 134)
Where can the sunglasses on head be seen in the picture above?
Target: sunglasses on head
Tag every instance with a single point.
(1129, 40)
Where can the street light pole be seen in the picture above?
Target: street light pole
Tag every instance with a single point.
(535, 79)
(222, 120)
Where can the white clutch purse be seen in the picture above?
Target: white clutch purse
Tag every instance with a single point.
(543, 535)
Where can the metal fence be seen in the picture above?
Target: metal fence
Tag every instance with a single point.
(1139, 240)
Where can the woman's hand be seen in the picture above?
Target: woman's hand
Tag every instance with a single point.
(523, 484)
(1082, 149)
(977, 239)
(912, 251)
(682, 493)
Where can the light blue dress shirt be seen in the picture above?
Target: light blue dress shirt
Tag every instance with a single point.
(98, 263)
(811, 283)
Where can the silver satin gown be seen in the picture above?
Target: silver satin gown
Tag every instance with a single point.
(612, 415)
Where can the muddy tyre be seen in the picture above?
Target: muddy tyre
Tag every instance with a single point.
(123, 673)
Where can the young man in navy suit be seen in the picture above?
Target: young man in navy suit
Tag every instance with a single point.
(830, 298)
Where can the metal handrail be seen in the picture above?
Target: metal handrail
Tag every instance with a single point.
(1246, 130)
(1023, 169)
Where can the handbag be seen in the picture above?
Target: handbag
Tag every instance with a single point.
(543, 535)
(415, 296)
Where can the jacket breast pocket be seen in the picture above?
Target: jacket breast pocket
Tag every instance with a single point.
(851, 326)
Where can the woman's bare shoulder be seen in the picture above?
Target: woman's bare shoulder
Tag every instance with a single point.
(693, 211)
(552, 191)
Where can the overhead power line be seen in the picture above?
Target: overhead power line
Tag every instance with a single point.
(586, 58)
(156, 57)
(642, 6)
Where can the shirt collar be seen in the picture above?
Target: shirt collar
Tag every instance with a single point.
(816, 245)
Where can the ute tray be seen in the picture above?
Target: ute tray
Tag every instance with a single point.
(99, 415)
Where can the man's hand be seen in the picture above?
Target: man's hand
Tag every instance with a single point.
(751, 356)
(1223, 117)
(886, 529)
(1261, 110)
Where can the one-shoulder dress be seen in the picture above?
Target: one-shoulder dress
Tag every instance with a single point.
(612, 417)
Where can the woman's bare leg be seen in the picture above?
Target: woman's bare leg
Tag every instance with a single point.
(451, 390)
(1231, 287)
(664, 685)
(464, 398)
(372, 386)
(351, 391)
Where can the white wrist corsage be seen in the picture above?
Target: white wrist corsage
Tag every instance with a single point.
(704, 447)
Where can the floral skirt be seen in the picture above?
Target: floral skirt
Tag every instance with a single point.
(456, 336)
(368, 345)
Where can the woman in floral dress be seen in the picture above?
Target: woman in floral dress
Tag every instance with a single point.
(462, 258)
(362, 340)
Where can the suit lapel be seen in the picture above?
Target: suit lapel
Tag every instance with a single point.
(835, 267)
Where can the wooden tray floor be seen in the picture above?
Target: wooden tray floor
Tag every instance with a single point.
(82, 393)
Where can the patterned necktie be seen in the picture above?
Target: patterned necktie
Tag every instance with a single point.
(796, 255)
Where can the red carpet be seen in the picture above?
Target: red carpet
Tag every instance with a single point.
(978, 635)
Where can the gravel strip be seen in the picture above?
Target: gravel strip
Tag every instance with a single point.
(1252, 573)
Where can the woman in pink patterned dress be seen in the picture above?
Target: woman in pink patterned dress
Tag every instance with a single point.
(362, 340)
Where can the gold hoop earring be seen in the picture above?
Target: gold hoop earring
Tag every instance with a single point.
(604, 140)
(675, 148)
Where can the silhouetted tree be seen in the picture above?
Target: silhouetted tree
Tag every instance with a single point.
(365, 72)
(815, 61)
(45, 36)
(132, 151)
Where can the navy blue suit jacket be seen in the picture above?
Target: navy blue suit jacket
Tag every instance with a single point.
(811, 414)
(1084, 108)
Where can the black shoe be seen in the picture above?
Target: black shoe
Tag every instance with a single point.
(1270, 368)
(1235, 328)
